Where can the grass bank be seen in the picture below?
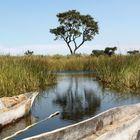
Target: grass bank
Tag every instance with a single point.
(23, 74)
(120, 72)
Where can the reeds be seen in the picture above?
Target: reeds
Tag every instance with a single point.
(23, 74)
(120, 72)
(71, 63)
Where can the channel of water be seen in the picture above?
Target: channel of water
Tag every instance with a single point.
(77, 96)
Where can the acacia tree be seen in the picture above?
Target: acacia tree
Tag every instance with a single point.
(75, 29)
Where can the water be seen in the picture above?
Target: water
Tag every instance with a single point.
(76, 96)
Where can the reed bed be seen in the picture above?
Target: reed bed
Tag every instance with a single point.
(71, 63)
(120, 72)
(23, 74)
(30, 73)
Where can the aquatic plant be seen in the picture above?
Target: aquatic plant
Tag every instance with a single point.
(23, 74)
(20, 74)
(120, 72)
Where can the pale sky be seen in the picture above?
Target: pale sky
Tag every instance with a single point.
(25, 24)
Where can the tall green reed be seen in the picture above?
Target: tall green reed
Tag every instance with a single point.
(120, 72)
(23, 74)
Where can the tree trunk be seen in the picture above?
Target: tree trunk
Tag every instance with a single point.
(69, 48)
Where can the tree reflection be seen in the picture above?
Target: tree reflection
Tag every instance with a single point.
(77, 101)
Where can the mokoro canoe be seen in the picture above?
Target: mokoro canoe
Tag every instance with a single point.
(119, 123)
(13, 108)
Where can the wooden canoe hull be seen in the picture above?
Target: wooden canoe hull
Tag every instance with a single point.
(91, 126)
(9, 115)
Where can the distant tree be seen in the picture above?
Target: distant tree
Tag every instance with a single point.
(97, 52)
(29, 53)
(75, 29)
(107, 51)
(110, 51)
(133, 52)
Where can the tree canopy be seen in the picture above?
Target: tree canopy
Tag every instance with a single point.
(29, 53)
(107, 51)
(75, 29)
(133, 52)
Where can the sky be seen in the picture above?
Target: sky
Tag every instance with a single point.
(25, 24)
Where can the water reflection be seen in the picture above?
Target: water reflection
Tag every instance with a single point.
(75, 103)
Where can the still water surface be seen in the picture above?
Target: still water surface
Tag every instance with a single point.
(76, 96)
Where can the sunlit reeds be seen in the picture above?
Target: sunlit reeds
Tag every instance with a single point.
(120, 72)
(23, 74)
(20, 74)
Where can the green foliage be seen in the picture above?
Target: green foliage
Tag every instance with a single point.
(107, 51)
(29, 53)
(110, 51)
(134, 52)
(97, 53)
(72, 26)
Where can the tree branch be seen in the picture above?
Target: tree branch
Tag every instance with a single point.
(77, 47)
